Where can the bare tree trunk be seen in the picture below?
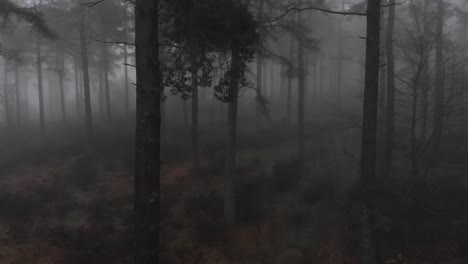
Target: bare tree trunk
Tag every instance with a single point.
(272, 80)
(61, 72)
(84, 62)
(81, 87)
(439, 83)
(320, 74)
(382, 91)
(39, 85)
(18, 95)
(390, 120)
(414, 146)
(6, 97)
(163, 122)
(148, 132)
(127, 97)
(77, 88)
(424, 100)
(290, 70)
(229, 199)
(259, 100)
(301, 98)
(340, 59)
(194, 88)
(101, 92)
(105, 62)
(369, 135)
(185, 112)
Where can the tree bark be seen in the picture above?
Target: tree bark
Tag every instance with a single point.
(6, 97)
(272, 80)
(301, 98)
(194, 88)
(291, 55)
(340, 59)
(185, 113)
(229, 200)
(84, 64)
(258, 103)
(125, 50)
(105, 68)
(61, 72)
(390, 111)
(77, 88)
(369, 135)
(439, 83)
(39, 85)
(18, 95)
(148, 133)
(101, 92)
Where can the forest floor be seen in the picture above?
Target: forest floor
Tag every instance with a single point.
(67, 205)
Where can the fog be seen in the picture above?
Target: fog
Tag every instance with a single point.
(233, 131)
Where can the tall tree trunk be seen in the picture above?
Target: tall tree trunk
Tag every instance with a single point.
(61, 72)
(18, 94)
(301, 98)
(382, 91)
(148, 132)
(259, 101)
(127, 92)
(229, 199)
(340, 59)
(425, 87)
(414, 146)
(194, 88)
(320, 74)
(290, 71)
(390, 111)
(439, 82)
(81, 88)
(382, 74)
(84, 64)
(369, 135)
(6, 96)
(105, 68)
(77, 87)
(272, 80)
(101, 92)
(163, 121)
(39, 85)
(185, 113)
(125, 51)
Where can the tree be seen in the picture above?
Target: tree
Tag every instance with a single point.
(340, 58)
(301, 97)
(85, 70)
(416, 45)
(439, 82)
(10, 10)
(6, 96)
(148, 129)
(390, 111)
(17, 89)
(369, 134)
(61, 75)
(108, 28)
(39, 59)
(258, 99)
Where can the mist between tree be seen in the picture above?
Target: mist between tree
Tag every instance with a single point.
(233, 131)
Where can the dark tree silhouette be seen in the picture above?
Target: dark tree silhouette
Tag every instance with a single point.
(369, 134)
(147, 145)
